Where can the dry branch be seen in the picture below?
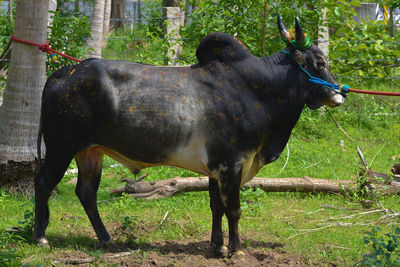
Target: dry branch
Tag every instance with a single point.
(91, 259)
(170, 187)
(337, 125)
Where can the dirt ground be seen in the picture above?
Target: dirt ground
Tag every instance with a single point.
(189, 252)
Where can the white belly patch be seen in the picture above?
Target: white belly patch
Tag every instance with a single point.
(192, 157)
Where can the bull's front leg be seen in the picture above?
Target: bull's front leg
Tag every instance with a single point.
(225, 198)
(230, 194)
(217, 209)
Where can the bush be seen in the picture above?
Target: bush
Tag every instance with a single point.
(68, 35)
(384, 248)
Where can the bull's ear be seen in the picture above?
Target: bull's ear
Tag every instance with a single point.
(300, 37)
(284, 32)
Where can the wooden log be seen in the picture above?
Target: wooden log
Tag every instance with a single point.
(177, 185)
(170, 187)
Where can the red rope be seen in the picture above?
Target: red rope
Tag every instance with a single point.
(44, 48)
(373, 92)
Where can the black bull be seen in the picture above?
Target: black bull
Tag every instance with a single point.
(224, 117)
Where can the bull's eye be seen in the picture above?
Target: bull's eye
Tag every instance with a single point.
(320, 65)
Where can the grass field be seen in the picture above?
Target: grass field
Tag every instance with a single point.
(316, 229)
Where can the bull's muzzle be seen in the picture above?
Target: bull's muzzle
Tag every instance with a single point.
(336, 99)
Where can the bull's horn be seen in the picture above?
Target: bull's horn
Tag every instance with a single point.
(300, 37)
(284, 33)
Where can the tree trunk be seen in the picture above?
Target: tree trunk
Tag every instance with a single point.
(139, 6)
(96, 28)
(264, 25)
(106, 23)
(118, 14)
(172, 14)
(10, 14)
(52, 7)
(19, 115)
(183, 7)
(323, 35)
(107, 15)
(76, 6)
(177, 185)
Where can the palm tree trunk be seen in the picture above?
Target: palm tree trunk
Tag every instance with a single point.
(118, 14)
(10, 15)
(96, 28)
(106, 24)
(52, 8)
(19, 115)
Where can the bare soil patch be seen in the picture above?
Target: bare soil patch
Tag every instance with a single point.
(190, 252)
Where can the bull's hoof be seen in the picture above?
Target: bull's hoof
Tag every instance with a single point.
(238, 253)
(220, 251)
(106, 244)
(42, 242)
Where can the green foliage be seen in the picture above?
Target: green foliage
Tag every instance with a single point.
(366, 50)
(143, 43)
(68, 35)
(25, 228)
(248, 19)
(154, 19)
(5, 31)
(7, 253)
(3, 196)
(384, 248)
(122, 203)
(240, 18)
(5, 28)
(362, 191)
(251, 199)
(126, 232)
(16, 236)
(392, 3)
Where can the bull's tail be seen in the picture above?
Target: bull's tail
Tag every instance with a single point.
(39, 142)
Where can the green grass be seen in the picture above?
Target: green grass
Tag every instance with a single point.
(300, 223)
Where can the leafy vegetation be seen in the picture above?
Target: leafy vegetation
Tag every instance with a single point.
(385, 248)
(68, 34)
(19, 235)
(5, 28)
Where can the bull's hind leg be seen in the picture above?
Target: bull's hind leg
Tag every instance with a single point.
(217, 209)
(46, 180)
(89, 163)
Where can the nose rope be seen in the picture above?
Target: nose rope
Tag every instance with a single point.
(339, 89)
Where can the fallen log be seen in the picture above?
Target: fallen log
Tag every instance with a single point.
(170, 187)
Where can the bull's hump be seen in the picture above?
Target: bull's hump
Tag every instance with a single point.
(221, 47)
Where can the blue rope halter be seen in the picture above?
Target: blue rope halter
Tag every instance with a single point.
(333, 87)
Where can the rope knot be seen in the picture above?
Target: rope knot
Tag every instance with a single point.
(344, 88)
(44, 47)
